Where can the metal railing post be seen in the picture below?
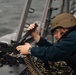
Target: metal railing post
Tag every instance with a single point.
(23, 19)
(45, 20)
(67, 2)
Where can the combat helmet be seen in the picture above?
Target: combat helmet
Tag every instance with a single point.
(64, 20)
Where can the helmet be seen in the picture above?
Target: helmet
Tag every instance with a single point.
(64, 20)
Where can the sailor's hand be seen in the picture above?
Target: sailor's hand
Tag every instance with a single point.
(24, 49)
(31, 27)
(34, 34)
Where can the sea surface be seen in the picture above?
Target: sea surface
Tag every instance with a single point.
(11, 11)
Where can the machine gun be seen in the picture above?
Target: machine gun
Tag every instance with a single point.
(8, 51)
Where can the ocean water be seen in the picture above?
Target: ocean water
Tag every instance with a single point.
(11, 11)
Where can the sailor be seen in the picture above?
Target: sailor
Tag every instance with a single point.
(63, 28)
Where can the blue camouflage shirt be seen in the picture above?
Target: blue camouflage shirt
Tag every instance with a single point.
(57, 52)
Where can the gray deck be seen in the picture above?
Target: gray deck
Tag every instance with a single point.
(14, 70)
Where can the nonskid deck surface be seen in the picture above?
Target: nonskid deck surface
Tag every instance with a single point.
(14, 70)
